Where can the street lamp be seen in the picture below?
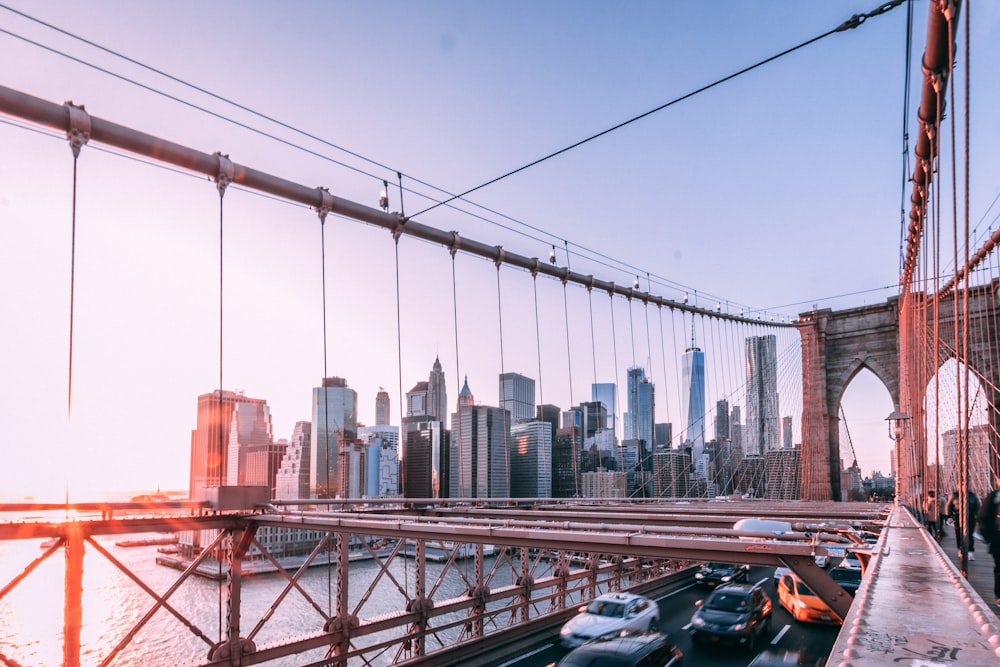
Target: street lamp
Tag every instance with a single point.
(897, 421)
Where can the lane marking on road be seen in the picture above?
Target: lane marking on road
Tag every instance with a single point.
(544, 647)
(686, 627)
(674, 592)
(781, 633)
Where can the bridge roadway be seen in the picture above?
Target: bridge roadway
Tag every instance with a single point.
(676, 608)
(914, 607)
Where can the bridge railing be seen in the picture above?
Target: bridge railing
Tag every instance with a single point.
(914, 607)
(391, 585)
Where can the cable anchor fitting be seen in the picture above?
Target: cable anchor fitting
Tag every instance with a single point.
(500, 257)
(226, 172)
(325, 204)
(456, 244)
(79, 127)
(397, 229)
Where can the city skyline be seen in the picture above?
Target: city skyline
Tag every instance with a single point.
(659, 196)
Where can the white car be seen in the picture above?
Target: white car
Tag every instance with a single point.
(610, 613)
(851, 561)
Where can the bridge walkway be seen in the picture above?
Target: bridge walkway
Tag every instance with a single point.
(919, 609)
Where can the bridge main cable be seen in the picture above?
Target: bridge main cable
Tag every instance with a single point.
(61, 117)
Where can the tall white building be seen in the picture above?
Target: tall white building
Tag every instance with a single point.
(382, 441)
(292, 481)
(694, 406)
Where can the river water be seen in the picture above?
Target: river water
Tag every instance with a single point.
(31, 615)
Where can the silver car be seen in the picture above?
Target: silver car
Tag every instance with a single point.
(610, 613)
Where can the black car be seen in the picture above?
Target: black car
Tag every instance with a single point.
(625, 649)
(735, 614)
(717, 574)
(849, 578)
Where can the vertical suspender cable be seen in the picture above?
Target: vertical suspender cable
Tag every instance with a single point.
(633, 393)
(593, 353)
(399, 372)
(78, 135)
(221, 182)
(541, 394)
(968, 69)
(657, 470)
(458, 406)
(569, 365)
(72, 289)
(503, 389)
(399, 359)
(614, 347)
(326, 399)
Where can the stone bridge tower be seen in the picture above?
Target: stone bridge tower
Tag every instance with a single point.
(837, 345)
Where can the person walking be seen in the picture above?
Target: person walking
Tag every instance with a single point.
(989, 528)
(932, 514)
(942, 509)
(972, 511)
(953, 517)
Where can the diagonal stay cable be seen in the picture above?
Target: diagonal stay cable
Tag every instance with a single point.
(849, 24)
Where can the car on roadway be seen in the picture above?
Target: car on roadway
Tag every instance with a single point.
(610, 613)
(851, 561)
(849, 578)
(717, 574)
(780, 572)
(628, 648)
(802, 603)
(774, 657)
(734, 614)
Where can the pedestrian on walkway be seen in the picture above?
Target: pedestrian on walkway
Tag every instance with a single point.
(932, 514)
(989, 528)
(953, 517)
(972, 511)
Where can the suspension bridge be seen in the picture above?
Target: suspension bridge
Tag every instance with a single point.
(483, 577)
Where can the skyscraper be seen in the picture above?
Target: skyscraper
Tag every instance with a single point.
(437, 394)
(426, 463)
(334, 421)
(430, 398)
(605, 392)
(250, 428)
(640, 417)
(382, 441)
(210, 440)
(292, 479)
(479, 461)
(763, 430)
(531, 460)
(517, 396)
(694, 405)
(382, 407)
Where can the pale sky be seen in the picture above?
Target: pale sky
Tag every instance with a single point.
(775, 191)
